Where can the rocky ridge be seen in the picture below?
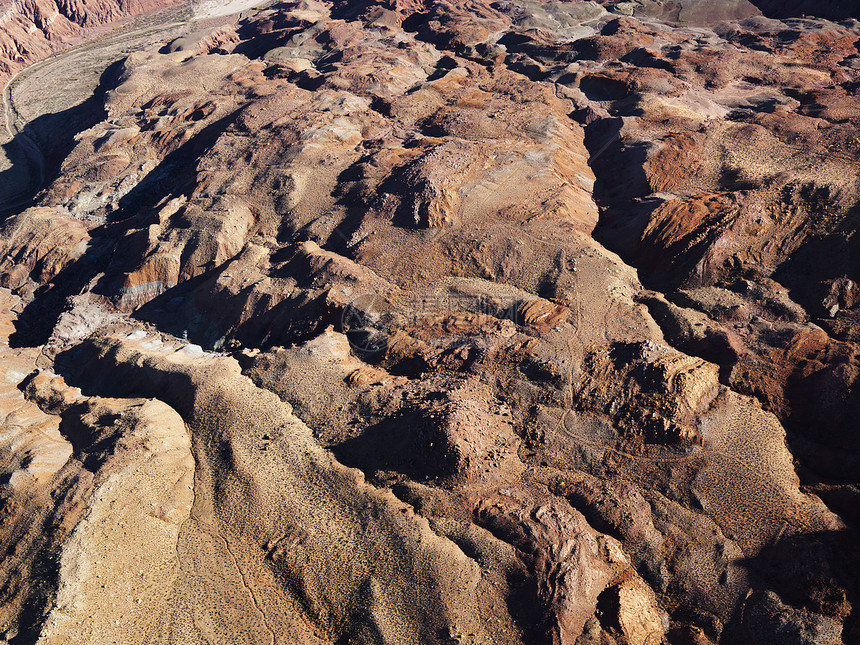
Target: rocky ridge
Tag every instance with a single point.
(426, 322)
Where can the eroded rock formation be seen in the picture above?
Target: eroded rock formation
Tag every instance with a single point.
(429, 322)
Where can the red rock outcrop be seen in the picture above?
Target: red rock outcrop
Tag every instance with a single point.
(481, 322)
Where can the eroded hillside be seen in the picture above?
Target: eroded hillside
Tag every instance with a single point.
(429, 322)
(34, 29)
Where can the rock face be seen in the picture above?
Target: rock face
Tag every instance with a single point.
(92, 510)
(430, 322)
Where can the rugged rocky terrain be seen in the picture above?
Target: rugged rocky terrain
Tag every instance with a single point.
(33, 29)
(422, 322)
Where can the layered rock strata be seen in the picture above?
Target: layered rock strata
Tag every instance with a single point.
(412, 322)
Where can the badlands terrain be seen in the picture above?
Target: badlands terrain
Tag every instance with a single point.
(406, 322)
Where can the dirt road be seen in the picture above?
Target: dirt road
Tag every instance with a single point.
(45, 104)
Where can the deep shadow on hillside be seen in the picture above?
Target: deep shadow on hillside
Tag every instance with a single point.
(830, 9)
(54, 135)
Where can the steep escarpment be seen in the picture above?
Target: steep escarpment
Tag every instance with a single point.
(411, 322)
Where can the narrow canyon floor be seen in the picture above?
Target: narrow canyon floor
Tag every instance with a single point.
(397, 321)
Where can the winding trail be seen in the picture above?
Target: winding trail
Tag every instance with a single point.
(34, 159)
(73, 75)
